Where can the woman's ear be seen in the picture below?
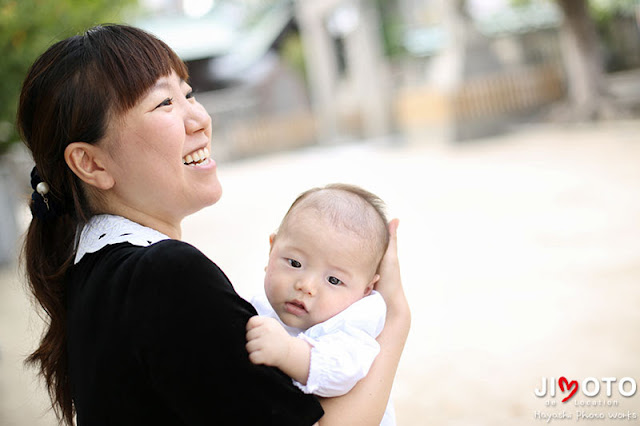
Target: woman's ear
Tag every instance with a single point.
(369, 288)
(86, 161)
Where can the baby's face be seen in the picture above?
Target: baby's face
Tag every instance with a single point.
(316, 270)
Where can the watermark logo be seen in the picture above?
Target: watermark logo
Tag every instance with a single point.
(573, 384)
(591, 395)
(591, 387)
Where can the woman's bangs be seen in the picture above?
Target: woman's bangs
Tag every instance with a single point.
(132, 61)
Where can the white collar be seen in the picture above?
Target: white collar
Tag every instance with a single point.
(105, 229)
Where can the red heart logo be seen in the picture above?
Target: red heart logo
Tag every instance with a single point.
(569, 384)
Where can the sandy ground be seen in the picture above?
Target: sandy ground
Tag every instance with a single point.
(520, 256)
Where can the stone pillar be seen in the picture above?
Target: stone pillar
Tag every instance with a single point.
(369, 72)
(366, 68)
(320, 63)
(466, 57)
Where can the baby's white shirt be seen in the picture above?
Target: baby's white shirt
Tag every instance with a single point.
(342, 347)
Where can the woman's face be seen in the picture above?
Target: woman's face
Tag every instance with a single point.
(159, 154)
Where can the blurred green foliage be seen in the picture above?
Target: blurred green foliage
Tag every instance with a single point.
(605, 10)
(28, 27)
(601, 9)
(616, 24)
(392, 27)
(292, 52)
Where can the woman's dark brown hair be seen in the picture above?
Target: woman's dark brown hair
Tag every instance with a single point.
(69, 95)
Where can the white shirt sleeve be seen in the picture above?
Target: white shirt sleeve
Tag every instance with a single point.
(344, 347)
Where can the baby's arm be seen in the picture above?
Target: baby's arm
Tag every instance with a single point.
(330, 357)
(268, 343)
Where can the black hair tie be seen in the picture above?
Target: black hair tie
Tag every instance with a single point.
(44, 205)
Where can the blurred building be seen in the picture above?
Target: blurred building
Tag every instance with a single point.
(346, 67)
(278, 74)
(473, 67)
(466, 68)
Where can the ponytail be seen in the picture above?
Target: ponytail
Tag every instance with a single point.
(48, 253)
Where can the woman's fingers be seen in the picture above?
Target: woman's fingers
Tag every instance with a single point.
(393, 237)
(390, 283)
(393, 227)
(390, 267)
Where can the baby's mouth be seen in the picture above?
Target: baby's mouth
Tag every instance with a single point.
(298, 304)
(295, 307)
(196, 157)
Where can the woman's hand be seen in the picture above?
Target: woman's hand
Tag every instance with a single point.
(366, 402)
(390, 283)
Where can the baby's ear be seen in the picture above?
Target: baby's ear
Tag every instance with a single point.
(369, 288)
(272, 239)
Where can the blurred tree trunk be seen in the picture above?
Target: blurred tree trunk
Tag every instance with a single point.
(587, 89)
(468, 53)
(467, 58)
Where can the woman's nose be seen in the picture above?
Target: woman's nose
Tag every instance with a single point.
(197, 118)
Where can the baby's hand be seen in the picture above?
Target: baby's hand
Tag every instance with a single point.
(267, 341)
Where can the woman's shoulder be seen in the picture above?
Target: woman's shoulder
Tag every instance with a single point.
(173, 261)
(160, 281)
(172, 248)
(163, 257)
(167, 266)
(175, 255)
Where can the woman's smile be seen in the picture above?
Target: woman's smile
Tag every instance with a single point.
(197, 158)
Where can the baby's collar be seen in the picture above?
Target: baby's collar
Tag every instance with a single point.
(105, 229)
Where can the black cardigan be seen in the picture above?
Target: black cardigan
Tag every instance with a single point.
(156, 336)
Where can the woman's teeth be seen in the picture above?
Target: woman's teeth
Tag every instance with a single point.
(197, 157)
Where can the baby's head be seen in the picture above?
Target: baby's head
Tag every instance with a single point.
(326, 254)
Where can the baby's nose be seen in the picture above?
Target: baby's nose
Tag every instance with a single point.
(306, 285)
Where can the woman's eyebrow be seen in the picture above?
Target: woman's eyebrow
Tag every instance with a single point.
(161, 84)
(164, 83)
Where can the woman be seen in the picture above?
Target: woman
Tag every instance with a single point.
(143, 328)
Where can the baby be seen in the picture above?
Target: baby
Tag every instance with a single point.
(322, 316)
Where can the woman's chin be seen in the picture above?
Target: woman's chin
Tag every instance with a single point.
(213, 195)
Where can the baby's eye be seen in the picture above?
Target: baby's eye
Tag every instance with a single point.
(334, 280)
(294, 263)
(191, 95)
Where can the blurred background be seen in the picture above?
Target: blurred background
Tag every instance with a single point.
(503, 133)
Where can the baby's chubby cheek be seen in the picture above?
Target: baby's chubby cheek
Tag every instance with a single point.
(271, 290)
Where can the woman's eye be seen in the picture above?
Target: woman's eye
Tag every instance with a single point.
(294, 263)
(334, 280)
(166, 102)
(191, 95)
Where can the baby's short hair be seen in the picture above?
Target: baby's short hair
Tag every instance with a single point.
(350, 207)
